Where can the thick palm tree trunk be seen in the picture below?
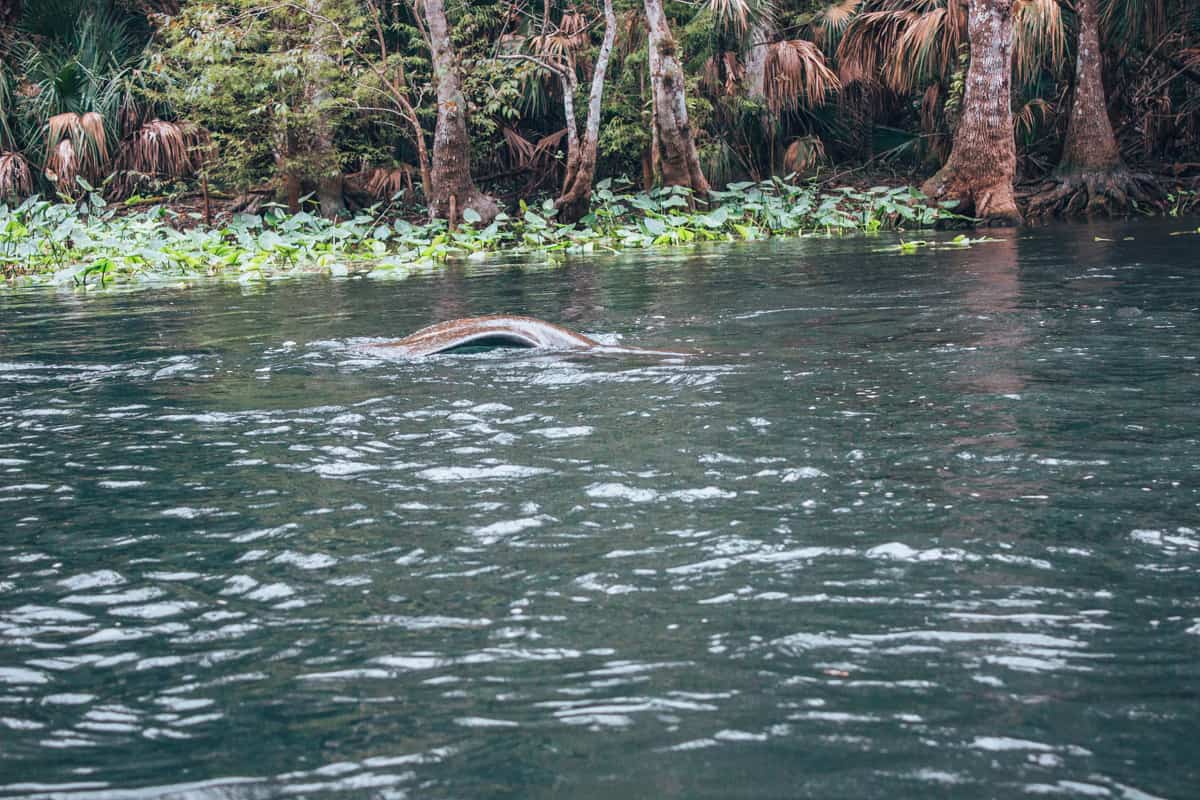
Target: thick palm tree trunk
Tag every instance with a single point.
(453, 190)
(1090, 177)
(577, 189)
(680, 163)
(1091, 145)
(982, 165)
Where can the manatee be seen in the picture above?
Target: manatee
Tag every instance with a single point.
(496, 330)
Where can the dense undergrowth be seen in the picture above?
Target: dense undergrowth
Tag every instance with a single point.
(93, 244)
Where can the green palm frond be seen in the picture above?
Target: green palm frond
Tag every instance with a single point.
(1039, 39)
(739, 16)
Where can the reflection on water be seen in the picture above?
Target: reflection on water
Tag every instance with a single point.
(905, 526)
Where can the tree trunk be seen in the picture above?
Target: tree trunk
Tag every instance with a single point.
(576, 197)
(451, 172)
(1091, 145)
(680, 163)
(323, 153)
(983, 159)
(569, 85)
(1090, 177)
(755, 60)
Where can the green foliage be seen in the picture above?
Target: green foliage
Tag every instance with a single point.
(264, 79)
(43, 242)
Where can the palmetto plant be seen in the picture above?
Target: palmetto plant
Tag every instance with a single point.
(16, 176)
(159, 150)
(72, 104)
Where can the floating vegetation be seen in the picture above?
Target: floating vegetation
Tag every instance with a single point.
(93, 244)
(913, 245)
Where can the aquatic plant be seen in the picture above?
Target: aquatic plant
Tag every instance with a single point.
(95, 242)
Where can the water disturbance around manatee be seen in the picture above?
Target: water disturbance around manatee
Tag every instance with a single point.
(905, 526)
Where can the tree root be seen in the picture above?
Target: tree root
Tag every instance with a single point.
(991, 202)
(1090, 194)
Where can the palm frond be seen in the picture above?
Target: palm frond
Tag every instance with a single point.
(796, 74)
(1039, 39)
(1127, 23)
(62, 167)
(830, 23)
(1030, 116)
(803, 154)
(76, 146)
(739, 16)
(924, 51)
(867, 41)
(16, 177)
(384, 183)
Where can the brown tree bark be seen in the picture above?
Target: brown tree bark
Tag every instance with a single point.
(451, 168)
(576, 196)
(680, 163)
(983, 159)
(1091, 177)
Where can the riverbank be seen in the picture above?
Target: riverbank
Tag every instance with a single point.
(97, 244)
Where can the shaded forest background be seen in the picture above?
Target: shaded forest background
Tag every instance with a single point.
(1013, 108)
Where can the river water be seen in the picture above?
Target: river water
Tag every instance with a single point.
(897, 526)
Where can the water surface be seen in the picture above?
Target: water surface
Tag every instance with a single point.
(903, 526)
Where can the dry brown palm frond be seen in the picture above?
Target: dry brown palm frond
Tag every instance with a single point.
(527, 155)
(551, 45)
(574, 26)
(867, 42)
(1025, 121)
(933, 123)
(60, 126)
(520, 149)
(62, 167)
(92, 126)
(926, 50)
(710, 75)
(904, 42)
(546, 146)
(931, 108)
(734, 73)
(803, 154)
(16, 178)
(157, 149)
(796, 73)
(384, 184)
(1039, 38)
(77, 146)
(569, 38)
(722, 75)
